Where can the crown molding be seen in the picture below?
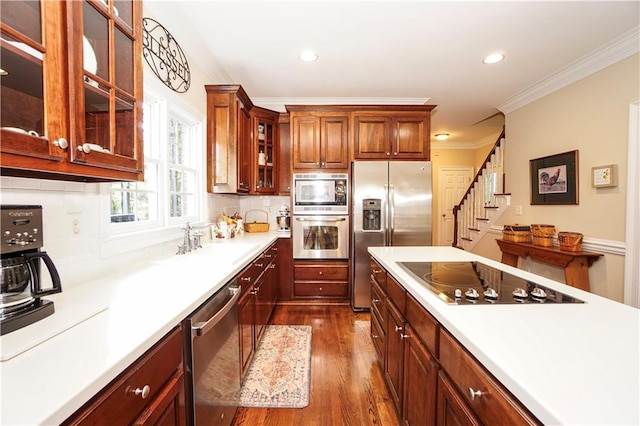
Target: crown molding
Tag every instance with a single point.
(606, 55)
(278, 103)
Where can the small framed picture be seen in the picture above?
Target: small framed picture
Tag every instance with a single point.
(554, 179)
(604, 176)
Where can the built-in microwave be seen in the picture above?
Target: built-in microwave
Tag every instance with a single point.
(320, 193)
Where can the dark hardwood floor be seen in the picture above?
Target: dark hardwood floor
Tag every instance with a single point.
(347, 384)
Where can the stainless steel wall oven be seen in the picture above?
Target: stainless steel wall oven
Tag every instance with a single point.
(320, 237)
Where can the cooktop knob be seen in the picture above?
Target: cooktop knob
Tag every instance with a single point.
(458, 293)
(538, 293)
(472, 294)
(491, 294)
(519, 293)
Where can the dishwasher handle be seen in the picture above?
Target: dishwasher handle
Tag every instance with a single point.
(204, 327)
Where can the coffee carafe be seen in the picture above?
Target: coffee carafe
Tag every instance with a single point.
(284, 219)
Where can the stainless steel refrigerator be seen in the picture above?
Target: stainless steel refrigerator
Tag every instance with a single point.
(391, 206)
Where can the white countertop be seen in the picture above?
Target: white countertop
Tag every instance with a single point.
(571, 364)
(51, 368)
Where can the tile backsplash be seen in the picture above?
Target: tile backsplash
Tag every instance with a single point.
(77, 232)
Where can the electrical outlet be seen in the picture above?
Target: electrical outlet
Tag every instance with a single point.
(76, 228)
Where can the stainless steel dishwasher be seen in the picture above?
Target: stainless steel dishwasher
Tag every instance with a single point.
(212, 359)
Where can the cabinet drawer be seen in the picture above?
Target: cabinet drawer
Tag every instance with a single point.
(322, 271)
(321, 289)
(495, 405)
(423, 324)
(396, 293)
(378, 338)
(379, 274)
(117, 403)
(378, 303)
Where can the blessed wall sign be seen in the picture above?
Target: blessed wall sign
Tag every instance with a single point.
(165, 57)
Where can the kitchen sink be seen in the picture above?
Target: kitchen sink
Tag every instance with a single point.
(225, 252)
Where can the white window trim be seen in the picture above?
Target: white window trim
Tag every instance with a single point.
(125, 237)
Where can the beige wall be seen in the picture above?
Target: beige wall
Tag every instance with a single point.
(591, 116)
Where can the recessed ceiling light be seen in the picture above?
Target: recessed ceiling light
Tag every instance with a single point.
(493, 58)
(308, 55)
(442, 136)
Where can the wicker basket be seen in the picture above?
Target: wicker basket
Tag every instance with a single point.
(570, 241)
(543, 234)
(517, 233)
(256, 226)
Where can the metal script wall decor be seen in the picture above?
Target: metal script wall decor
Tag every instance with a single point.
(164, 56)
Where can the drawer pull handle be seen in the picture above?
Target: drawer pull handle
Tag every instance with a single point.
(475, 394)
(144, 392)
(398, 328)
(404, 336)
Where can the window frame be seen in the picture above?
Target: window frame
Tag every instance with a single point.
(163, 109)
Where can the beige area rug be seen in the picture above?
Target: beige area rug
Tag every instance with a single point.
(279, 375)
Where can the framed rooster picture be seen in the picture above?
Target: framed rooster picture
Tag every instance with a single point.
(554, 179)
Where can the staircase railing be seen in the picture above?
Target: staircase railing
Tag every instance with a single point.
(480, 197)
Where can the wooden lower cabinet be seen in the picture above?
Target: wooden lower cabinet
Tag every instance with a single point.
(394, 367)
(256, 304)
(432, 378)
(420, 381)
(149, 392)
(488, 399)
(321, 280)
(284, 278)
(452, 409)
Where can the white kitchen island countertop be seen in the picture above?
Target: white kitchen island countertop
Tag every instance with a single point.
(569, 364)
(51, 368)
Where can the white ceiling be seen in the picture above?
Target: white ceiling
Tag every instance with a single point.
(396, 51)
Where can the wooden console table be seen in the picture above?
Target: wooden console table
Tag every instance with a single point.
(575, 264)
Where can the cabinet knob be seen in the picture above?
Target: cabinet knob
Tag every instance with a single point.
(320, 273)
(259, 265)
(61, 143)
(247, 279)
(375, 336)
(388, 154)
(404, 336)
(375, 301)
(395, 154)
(144, 392)
(475, 394)
(398, 328)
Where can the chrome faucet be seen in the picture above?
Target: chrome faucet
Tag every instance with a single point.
(191, 239)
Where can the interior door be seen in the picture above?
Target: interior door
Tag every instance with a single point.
(454, 182)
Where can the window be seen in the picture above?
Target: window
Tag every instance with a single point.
(168, 194)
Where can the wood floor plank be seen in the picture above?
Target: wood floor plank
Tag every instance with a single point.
(347, 384)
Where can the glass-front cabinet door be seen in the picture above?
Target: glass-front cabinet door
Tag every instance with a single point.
(71, 89)
(29, 58)
(265, 150)
(106, 101)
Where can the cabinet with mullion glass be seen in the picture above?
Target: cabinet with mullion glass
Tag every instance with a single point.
(71, 94)
(265, 151)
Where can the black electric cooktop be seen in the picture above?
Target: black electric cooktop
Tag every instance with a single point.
(474, 283)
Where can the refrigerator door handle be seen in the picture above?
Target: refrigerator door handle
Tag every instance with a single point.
(385, 223)
(392, 213)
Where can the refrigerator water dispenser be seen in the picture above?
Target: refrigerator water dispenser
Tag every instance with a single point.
(371, 214)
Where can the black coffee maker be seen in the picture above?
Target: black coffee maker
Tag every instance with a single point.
(20, 273)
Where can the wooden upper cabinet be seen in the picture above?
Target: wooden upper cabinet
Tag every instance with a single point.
(320, 141)
(284, 155)
(72, 98)
(228, 139)
(264, 151)
(392, 135)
